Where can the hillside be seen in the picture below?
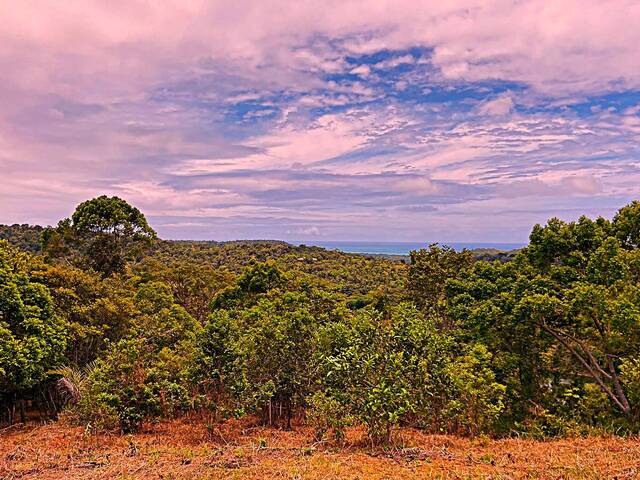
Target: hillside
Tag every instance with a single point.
(355, 356)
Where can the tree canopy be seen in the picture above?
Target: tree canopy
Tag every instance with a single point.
(104, 232)
(543, 341)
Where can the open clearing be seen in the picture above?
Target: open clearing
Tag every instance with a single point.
(234, 450)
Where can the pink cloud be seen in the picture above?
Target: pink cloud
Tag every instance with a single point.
(573, 44)
(82, 110)
(498, 106)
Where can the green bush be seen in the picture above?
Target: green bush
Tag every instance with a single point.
(477, 399)
(149, 374)
(263, 352)
(133, 383)
(327, 416)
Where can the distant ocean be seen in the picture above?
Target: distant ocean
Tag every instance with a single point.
(400, 248)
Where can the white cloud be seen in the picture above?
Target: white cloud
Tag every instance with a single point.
(362, 70)
(497, 106)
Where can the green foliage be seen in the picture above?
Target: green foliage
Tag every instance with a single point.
(192, 284)
(364, 370)
(104, 233)
(563, 317)
(543, 341)
(269, 344)
(385, 373)
(429, 270)
(161, 320)
(136, 381)
(630, 376)
(478, 398)
(110, 215)
(327, 415)
(25, 237)
(96, 311)
(148, 374)
(626, 225)
(32, 337)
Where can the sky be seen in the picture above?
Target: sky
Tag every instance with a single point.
(334, 120)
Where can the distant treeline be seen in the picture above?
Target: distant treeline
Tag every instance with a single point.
(25, 237)
(99, 316)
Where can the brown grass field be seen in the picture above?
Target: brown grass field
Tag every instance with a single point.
(236, 450)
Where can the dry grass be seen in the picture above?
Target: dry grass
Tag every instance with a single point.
(236, 450)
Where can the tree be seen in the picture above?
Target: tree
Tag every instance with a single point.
(106, 231)
(193, 283)
(478, 398)
(363, 370)
(32, 336)
(595, 325)
(96, 310)
(626, 225)
(273, 354)
(428, 273)
(563, 317)
(403, 370)
(482, 303)
(25, 237)
(256, 280)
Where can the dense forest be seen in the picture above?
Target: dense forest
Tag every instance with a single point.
(101, 318)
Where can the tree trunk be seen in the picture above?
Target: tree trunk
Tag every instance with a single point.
(594, 369)
(626, 408)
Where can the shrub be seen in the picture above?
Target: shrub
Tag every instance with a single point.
(149, 374)
(477, 399)
(134, 383)
(327, 416)
(369, 367)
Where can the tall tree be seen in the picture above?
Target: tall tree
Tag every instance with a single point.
(103, 233)
(428, 274)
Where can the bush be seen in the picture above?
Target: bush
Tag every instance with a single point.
(630, 369)
(477, 399)
(149, 374)
(327, 416)
(134, 383)
(264, 353)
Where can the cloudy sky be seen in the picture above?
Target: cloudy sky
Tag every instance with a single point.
(332, 120)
